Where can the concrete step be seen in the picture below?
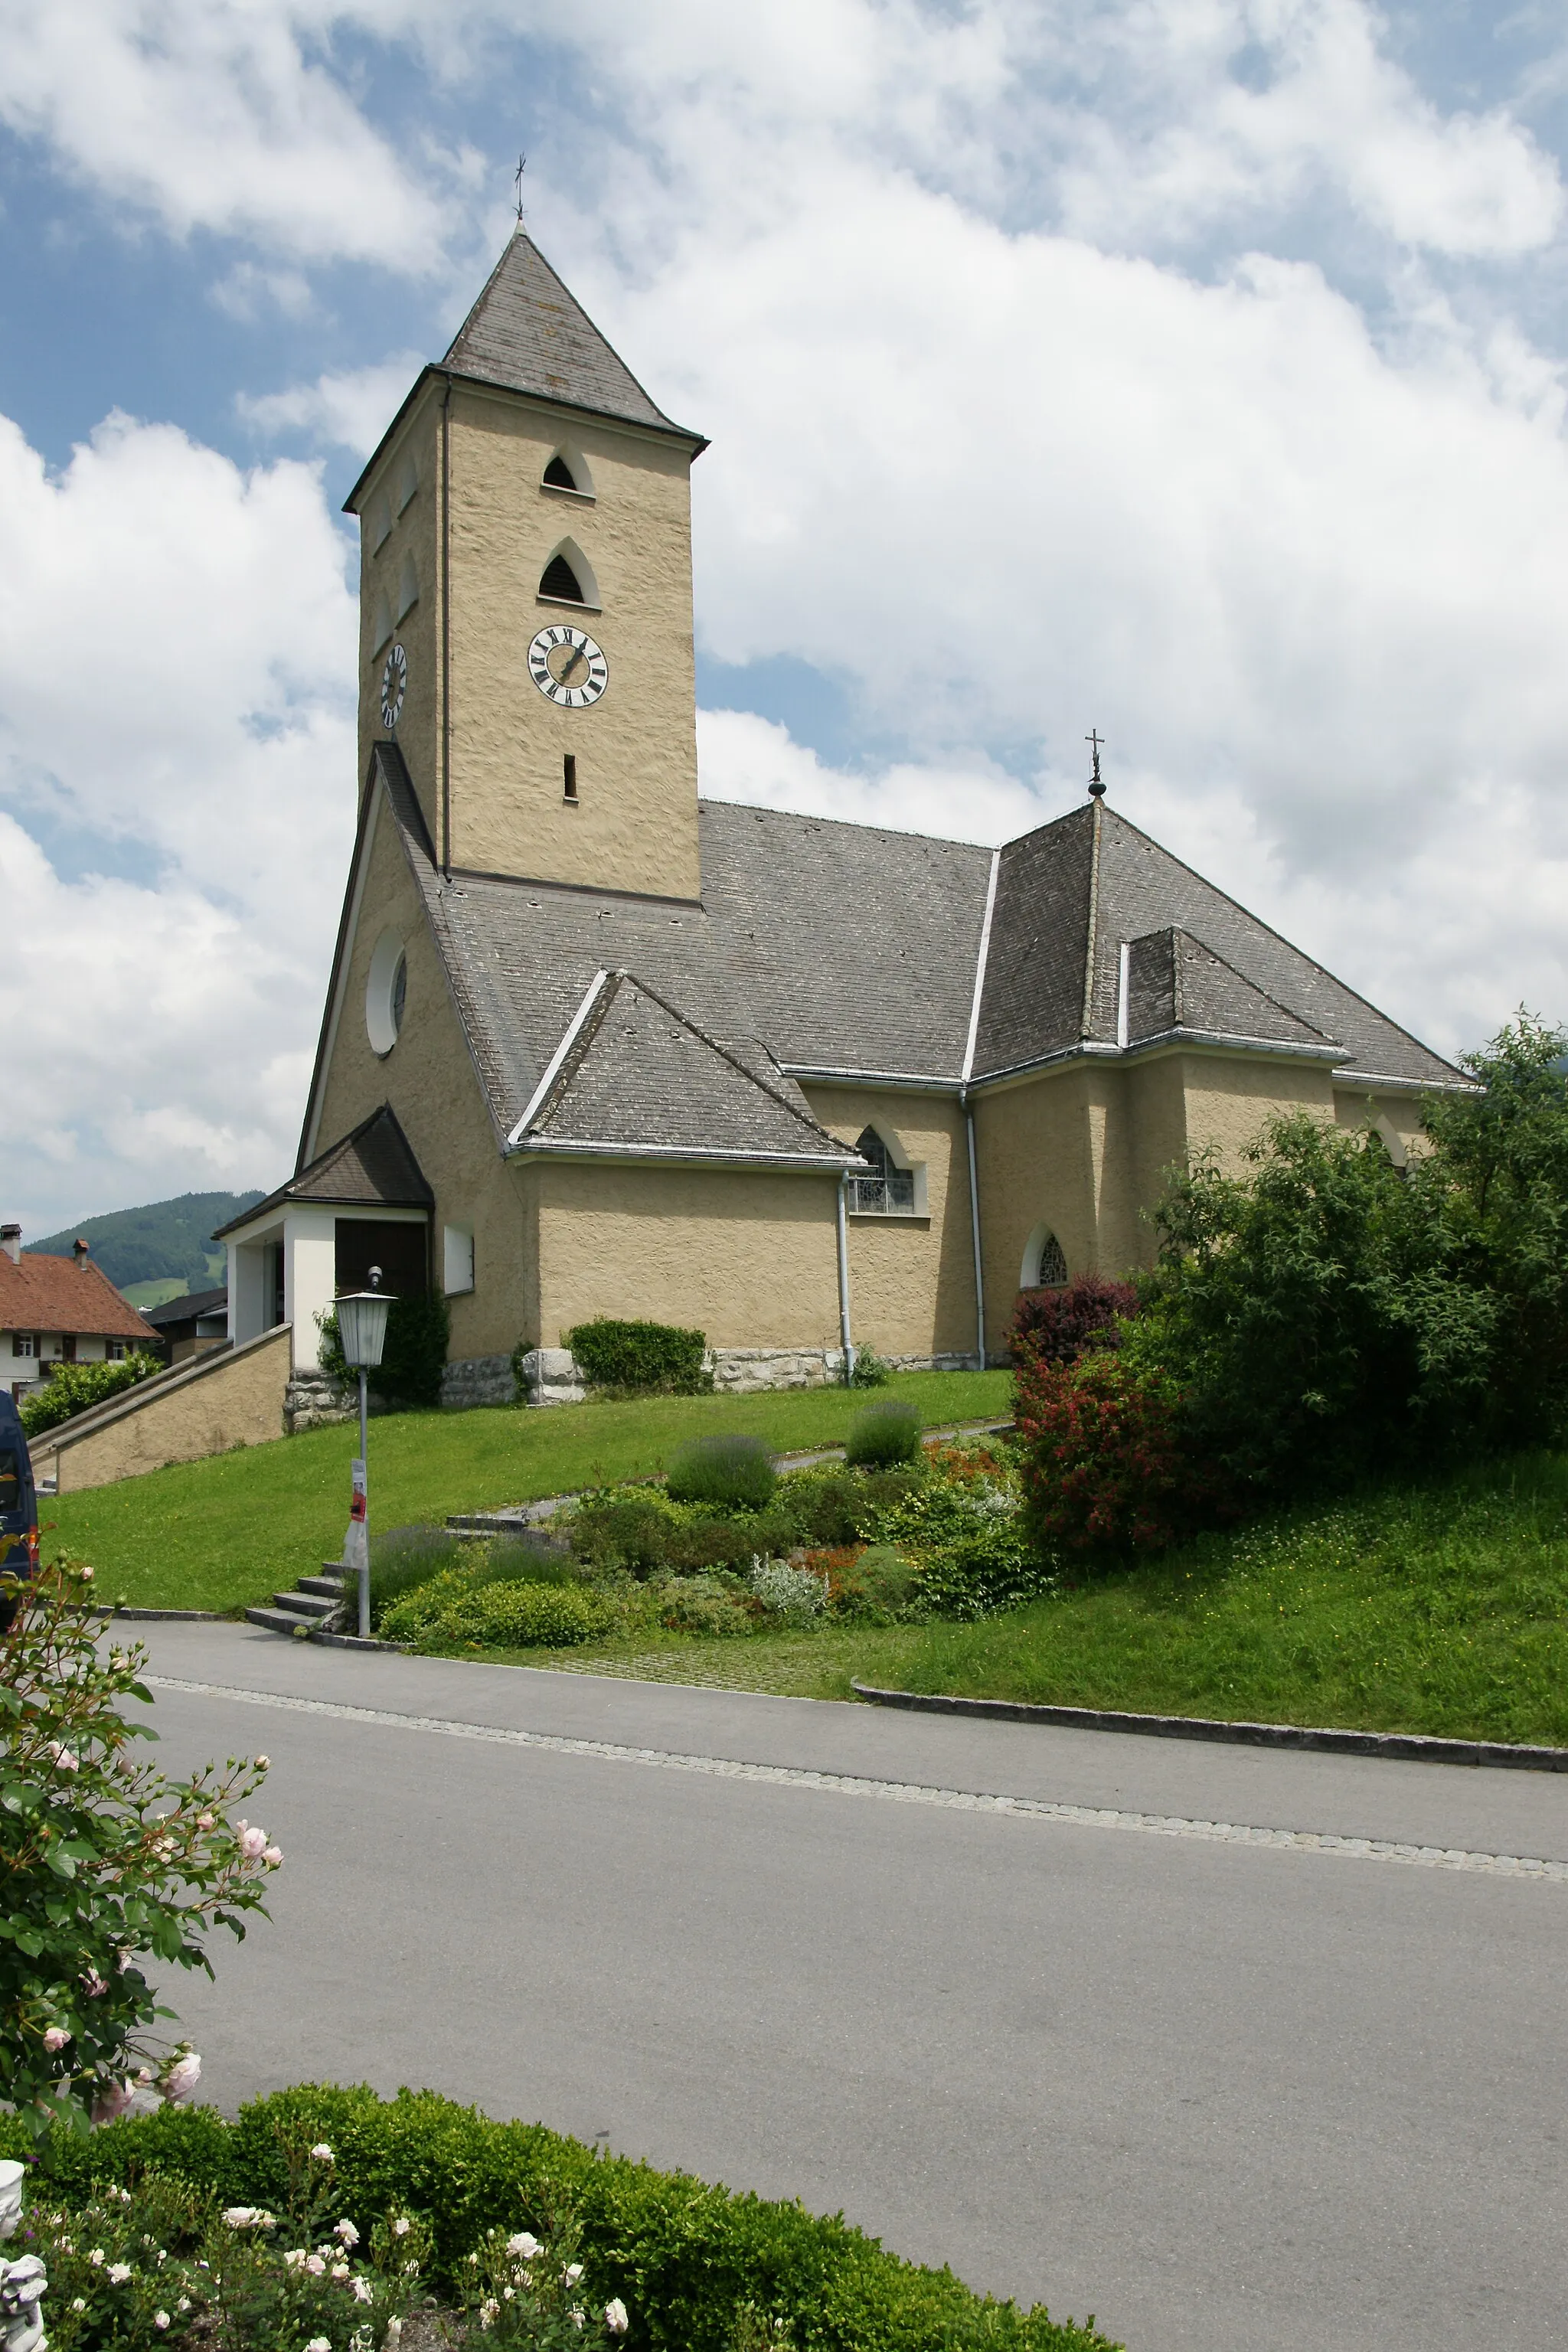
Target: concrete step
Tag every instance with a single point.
(332, 1586)
(306, 1604)
(278, 1620)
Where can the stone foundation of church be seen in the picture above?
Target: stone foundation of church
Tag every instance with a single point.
(313, 1399)
(551, 1375)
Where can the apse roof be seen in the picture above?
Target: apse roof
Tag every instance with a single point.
(371, 1167)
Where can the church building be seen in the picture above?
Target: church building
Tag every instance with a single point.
(595, 1046)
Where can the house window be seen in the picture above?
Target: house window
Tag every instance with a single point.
(559, 582)
(889, 1192)
(25, 1343)
(114, 1352)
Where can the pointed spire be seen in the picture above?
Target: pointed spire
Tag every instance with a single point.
(528, 333)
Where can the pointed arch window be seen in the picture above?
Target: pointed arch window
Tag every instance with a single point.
(559, 582)
(889, 1190)
(1046, 1268)
(557, 474)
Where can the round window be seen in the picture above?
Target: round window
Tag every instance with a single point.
(386, 992)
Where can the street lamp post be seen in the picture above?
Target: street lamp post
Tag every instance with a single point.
(362, 1332)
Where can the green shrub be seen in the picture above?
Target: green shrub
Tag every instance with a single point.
(868, 1370)
(701, 1605)
(641, 1357)
(963, 1530)
(76, 1388)
(884, 1433)
(713, 1543)
(451, 1612)
(95, 1903)
(532, 1558)
(419, 1333)
(405, 1556)
(685, 2256)
(726, 1468)
(631, 1532)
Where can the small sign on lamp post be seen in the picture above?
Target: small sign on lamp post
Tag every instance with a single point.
(362, 1333)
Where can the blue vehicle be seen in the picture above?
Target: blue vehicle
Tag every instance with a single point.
(18, 1507)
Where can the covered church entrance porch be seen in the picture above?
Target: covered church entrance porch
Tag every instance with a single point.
(362, 1202)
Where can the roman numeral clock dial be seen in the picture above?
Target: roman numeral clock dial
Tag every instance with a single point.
(567, 666)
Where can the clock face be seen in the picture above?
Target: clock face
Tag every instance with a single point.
(393, 683)
(567, 666)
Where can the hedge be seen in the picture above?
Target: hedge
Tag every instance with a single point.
(623, 1355)
(683, 2254)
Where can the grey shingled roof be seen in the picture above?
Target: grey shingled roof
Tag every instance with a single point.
(1176, 987)
(827, 947)
(1069, 894)
(642, 1077)
(371, 1167)
(527, 332)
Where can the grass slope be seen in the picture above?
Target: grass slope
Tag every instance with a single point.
(222, 1533)
(1438, 1607)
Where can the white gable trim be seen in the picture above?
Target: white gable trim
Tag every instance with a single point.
(980, 964)
(552, 1067)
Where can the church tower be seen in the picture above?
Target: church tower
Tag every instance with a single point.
(525, 601)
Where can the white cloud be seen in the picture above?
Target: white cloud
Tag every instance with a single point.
(743, 757)
(221, 115)
(352, 411)
(176, 652)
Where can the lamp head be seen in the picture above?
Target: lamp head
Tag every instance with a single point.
(362, 1323)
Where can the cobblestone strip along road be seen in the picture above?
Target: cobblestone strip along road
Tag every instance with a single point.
(901, 1792)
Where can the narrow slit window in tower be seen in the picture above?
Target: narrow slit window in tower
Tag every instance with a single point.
(569, 776)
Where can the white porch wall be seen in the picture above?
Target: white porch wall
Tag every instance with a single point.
(249, 1309)
(309, 1279)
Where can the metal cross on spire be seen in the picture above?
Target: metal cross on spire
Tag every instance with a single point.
(1096, 788)
(517, 183)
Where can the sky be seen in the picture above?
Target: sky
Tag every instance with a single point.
(1189, 369)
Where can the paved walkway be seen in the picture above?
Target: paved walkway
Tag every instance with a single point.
(1240, 2050)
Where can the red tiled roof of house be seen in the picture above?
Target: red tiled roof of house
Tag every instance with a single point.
(56, 1293)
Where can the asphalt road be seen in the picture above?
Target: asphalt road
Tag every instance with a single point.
(1230, 2097)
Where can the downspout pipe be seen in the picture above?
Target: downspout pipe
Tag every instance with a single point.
(974, 1229)
(845, 1339)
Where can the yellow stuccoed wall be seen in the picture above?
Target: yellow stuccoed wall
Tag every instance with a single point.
(430, 1081)
(1396, 1116)
(1083, 1149)
(751, 1257)
(415, 532)
(911, 1279)
(635, 826)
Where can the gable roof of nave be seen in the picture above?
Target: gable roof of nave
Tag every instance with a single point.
(821, 947)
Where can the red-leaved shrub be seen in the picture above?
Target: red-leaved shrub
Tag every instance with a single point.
(1103, 1466)
(1055, 1327)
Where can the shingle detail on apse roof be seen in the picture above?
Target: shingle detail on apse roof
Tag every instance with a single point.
(1176, 987)
(1033, 1001)
(527, 332)
(640, 1077)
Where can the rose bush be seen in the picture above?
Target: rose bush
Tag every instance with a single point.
(103, 1861)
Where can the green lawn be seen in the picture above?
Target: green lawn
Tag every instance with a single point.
(1440, 1607)
(222, 1533)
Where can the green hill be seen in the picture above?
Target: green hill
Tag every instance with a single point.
(168, 1243)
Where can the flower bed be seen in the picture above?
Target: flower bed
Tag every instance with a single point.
(293, 2230)
(940, 1536)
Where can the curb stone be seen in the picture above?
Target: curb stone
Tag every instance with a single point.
(1405, 1747)
(173, 1616)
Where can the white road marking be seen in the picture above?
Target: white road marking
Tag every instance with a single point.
(902, 1792)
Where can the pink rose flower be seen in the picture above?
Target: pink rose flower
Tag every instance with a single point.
(111, 2101)
(181, 2079)
(55, 2038)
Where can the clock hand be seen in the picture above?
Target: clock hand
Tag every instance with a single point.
(568, 667)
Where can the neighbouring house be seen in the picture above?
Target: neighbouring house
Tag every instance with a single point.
(594, 1045)
(189, 1325)
(58, 1310)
